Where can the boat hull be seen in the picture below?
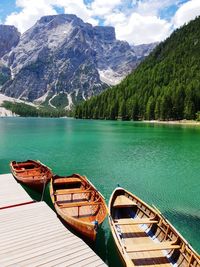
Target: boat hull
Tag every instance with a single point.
(87, 231)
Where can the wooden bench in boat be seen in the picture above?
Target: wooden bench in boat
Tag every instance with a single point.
(122, 201)
(66, 180)
(72, 191)
(77, 204)
(152, 247)
(135, 221)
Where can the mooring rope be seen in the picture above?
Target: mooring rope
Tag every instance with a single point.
(44, 185)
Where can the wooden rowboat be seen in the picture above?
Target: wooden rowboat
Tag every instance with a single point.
(31, 173)
(144, 237)
(78, 203)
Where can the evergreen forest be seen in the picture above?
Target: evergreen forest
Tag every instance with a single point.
(25, 110)
(165, 86)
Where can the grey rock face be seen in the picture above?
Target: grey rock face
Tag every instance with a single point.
(143, 50)
(9, 38)
(63, 54)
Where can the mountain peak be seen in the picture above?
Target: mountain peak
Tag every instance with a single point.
(60, 19)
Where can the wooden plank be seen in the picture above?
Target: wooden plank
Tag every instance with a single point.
(53, 255)
(134, 221)
(77, 204)
(26, 239)
(21, 211)
(75, 257)
(34, 251)
(8, 185)
(152, 247)
(66, 180)
(72, 191)
(85, 261)
(89, 262)
(24, 227)
(122, 201)
(24, 232)
(96, 263)
(32, 245)
(18, 217)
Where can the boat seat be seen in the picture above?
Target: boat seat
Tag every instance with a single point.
(135, 221)
(77, 204)
(122, 201)
(72, 191)
(167, 245)
(66, 180)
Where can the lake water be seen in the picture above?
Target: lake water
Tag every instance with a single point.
(158, 163)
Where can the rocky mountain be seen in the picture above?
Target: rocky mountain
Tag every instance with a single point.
(62, 60)
(144, 50)
(9, 38)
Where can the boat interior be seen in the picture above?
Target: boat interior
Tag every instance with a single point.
(147, 238)
(21, 166)
(77, 198)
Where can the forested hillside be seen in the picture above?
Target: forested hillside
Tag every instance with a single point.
(165, 86)
(25, 110)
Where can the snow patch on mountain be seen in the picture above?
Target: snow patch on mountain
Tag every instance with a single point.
(42, 98)
(70, 102)
(14, 100)
(49, 102)
(109, 77)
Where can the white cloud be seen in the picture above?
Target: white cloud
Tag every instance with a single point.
(136, 21)
(104, 7)
(186, 12)
(31, 12)
(140, 29)
(152, 7)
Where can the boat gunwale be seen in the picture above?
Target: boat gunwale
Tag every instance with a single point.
(81, 177)
(38, 165)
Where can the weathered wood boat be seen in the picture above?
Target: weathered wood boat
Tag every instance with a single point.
(78, 203)
(31, 173)
(144, 237)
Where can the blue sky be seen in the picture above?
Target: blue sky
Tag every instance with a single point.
(136, 21)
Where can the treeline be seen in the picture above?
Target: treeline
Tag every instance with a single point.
(25, 110)
(166, 86)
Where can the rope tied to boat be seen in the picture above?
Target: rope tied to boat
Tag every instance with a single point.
(96, 225)
(44, 185)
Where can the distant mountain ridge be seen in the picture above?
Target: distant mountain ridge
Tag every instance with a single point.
(62, 60)
(165, 86)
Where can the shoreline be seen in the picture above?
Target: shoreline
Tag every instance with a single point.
(8, 114)
(180, 122)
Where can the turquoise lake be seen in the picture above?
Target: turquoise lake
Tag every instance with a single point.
(158, 163)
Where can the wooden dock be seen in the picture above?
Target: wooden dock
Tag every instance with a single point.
(32, 235)
(11, 192)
